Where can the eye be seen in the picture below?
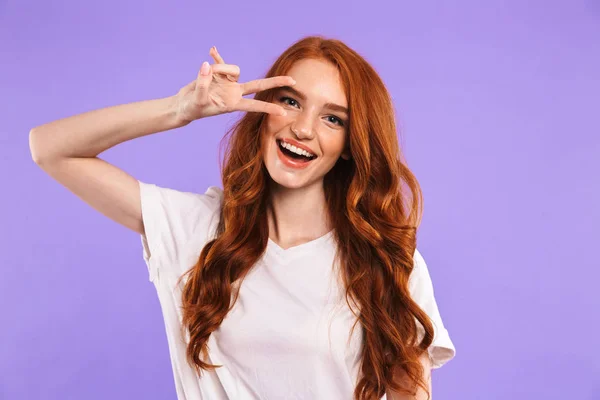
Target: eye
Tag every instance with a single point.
(335, 120)
(288, 101)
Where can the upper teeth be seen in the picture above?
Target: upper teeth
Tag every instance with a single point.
(296, 149)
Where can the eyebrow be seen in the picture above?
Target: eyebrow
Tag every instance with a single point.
(302, 96)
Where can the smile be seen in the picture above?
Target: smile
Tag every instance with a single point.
(292, 156)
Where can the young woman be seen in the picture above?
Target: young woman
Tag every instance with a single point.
(262, 283)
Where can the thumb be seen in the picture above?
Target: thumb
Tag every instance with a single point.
(204, 78)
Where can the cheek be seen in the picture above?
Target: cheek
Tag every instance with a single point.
(334, 144)
(268, 131)
(275, 123)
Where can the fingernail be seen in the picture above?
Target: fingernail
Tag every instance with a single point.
(205, 68)
(283, 113)
(215, 47)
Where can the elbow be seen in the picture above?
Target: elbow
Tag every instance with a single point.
(35, 147)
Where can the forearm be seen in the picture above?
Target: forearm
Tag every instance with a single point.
(90, 133)
(421, 394)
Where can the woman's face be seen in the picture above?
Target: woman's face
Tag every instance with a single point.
(316, 125)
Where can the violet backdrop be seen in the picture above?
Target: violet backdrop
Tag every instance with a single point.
(498, 105)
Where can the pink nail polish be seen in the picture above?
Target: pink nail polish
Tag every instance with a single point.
(205, 68)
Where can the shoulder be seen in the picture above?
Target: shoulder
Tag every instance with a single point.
(177, 199)
(172, 218)
(420, 284)
(419, 271)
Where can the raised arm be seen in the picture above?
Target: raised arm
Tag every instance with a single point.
(68, 149)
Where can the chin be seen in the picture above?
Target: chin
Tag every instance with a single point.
(287, 182)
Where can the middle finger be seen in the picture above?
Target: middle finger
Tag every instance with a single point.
(267, 83)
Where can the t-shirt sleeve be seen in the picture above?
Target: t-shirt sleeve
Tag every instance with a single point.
(421, 288)
(171, 219)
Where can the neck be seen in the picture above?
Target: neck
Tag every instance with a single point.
(296, 216)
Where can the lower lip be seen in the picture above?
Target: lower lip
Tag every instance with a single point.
(290, 162)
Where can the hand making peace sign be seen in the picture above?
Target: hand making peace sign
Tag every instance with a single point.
(216, 91)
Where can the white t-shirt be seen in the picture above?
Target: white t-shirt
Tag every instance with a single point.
(288, 335)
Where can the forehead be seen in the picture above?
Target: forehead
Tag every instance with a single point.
(319, 80)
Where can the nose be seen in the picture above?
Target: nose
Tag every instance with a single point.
(302, 126)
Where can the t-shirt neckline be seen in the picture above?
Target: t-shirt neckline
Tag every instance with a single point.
(300, 248)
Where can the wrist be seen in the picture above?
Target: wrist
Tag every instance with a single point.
(174, 113)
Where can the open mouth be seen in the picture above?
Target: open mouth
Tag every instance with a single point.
(295, 154)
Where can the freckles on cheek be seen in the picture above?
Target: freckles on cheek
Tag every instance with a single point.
(275, 123)
(333, 146)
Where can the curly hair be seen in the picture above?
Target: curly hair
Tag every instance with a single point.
(375, 205)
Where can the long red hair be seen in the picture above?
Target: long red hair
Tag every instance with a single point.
(374, 202)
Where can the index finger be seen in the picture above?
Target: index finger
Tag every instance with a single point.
(251, 105)
(268, 83)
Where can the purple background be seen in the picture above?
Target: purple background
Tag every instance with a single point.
(498, 105)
